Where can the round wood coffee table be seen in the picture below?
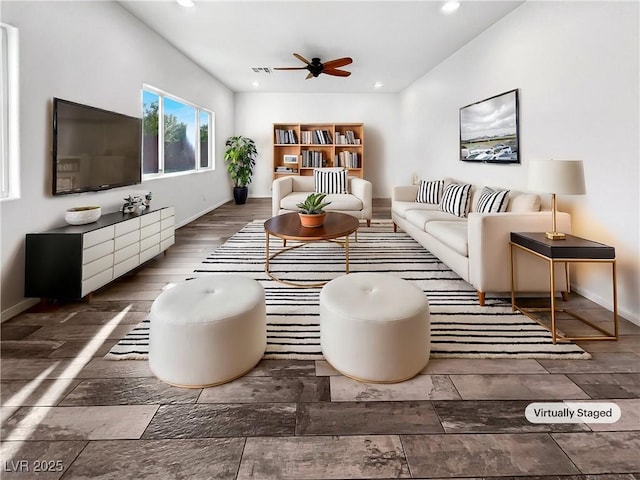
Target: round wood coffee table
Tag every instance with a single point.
(287, 227)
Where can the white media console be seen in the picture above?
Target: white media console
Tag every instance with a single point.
(73, 261)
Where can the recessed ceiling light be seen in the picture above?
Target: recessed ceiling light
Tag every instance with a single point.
(255, 84)
(450, 6)
(378, 85)
(185, 3)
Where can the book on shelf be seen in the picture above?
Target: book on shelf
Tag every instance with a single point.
(312, 159)
(347, 138)
(321, 137)
(285, 137)
(280, 169)
(347, 159)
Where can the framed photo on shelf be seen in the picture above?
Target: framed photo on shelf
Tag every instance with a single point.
(290, 159)
(489, 130)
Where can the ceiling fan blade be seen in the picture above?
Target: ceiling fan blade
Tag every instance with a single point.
(338, 62)
(289, 68)
(309, 76)
(301, 58)
(336, 72)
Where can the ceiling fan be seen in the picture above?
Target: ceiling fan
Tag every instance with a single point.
(316, 67)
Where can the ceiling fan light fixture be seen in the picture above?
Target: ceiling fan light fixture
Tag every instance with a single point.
(186, 3)
(378, 85)
(450, 6)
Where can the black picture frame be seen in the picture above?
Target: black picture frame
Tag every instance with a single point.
(489, 131)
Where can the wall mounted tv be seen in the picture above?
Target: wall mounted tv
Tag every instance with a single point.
(94, 149)
(489, 130)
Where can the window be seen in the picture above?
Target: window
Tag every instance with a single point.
(181, 142)
(9, 137)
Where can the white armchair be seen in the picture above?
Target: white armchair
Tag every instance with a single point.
(291, 190)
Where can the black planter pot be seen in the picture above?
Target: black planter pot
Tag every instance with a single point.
(240, 195)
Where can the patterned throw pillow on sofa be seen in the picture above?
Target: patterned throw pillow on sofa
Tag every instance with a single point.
(430, 191)
(455, 199)
(492, 201)
(330, 180)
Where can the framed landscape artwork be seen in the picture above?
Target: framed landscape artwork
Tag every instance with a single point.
(290, 159)
(489, 130)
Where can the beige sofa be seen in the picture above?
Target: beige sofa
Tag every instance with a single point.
(291, 190)
(477, 247)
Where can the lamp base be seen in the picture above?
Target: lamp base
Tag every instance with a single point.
(555, 235)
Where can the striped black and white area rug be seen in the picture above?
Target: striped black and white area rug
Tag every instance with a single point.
(460, 328)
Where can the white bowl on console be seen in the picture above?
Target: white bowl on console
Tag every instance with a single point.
(82, 215)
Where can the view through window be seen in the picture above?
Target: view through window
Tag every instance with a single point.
(181, 142)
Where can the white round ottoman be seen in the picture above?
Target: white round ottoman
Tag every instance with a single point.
(207, 331)
(374, 327)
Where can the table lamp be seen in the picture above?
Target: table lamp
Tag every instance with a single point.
(562, 177)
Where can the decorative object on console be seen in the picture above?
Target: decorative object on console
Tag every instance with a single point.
(240, 158)
(132, 204)
(564, 177)
(489, 130)
(492, 201)
(330, 180)
(455, 199)
(430, 191)
(312, 210)
(82, 215)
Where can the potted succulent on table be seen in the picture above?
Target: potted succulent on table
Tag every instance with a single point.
(240, 158)
(312, 210)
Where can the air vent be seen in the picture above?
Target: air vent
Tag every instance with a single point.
(261, 69)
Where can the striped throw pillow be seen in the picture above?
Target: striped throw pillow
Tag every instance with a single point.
(455, 199)
(330, 180)
(430, 192)
(492, 201)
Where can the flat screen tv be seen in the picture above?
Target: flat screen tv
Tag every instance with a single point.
(94, 149)
(489, 130)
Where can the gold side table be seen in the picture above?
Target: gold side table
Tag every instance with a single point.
(571, 250)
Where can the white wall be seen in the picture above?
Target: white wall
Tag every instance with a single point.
(257, 112)
(576, 67)
(96, 53)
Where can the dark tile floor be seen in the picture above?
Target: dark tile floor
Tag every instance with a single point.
(67, 413)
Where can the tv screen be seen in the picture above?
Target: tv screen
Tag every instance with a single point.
(489, 130)
(94, 149)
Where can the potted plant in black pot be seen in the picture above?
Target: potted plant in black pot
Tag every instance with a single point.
(240, 159)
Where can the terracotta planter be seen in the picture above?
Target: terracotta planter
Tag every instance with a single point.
(312, 220)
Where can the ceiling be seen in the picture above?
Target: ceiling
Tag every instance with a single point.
(393, 42)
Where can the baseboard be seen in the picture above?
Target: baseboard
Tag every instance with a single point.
(18, 308)
(203, 212)
(608, 304)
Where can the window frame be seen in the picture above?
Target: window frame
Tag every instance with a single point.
(197, 147)
(9, 114)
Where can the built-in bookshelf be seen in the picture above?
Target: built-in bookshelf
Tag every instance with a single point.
(298, 148)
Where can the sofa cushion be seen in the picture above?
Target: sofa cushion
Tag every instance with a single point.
(343, 203)
(430, 191)
(452, 234)
(401, 208)
(330, 180)
(492, 201)
(522, 202)
(455, 199)
(339, 202)
(420, 218)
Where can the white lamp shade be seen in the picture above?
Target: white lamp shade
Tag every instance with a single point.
(564, 177)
